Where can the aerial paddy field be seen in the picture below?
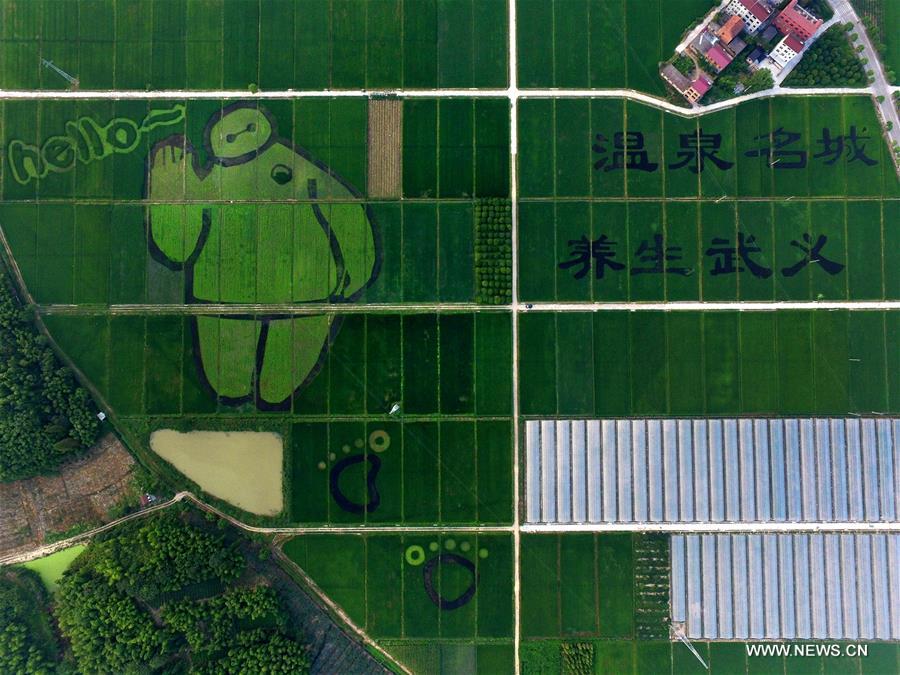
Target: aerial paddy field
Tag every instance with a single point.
(328, 288)
(661, 190)
(609, 44)
(278, 44)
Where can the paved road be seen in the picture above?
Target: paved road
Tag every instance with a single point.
(881, 87)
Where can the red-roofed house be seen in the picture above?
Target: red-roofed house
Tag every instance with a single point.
(731, 29)
(753, 12)
(698, 87)
(795, 19)
(786, 50)
(718, 57)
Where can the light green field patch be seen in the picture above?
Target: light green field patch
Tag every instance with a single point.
(290, 231)
(51, 567)
(228, 353)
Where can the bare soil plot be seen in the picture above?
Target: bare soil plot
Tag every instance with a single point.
(83, 491)
(385, 148)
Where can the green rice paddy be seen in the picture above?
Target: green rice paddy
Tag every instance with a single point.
(357, 328)
(278, 44)
(610, 44)
(383, 583)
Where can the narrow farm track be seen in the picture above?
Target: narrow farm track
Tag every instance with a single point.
(683, 528)
(441, 307)
(267, 309)
(629, 94)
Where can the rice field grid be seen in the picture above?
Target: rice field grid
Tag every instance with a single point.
(631, 364)
(239, 44)
(93, 222)
(609, 44)
(396, 586)
(120, 295)
(674, 658)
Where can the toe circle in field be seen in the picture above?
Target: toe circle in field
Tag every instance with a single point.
(415, 555)
(379, 440)
(428, 577)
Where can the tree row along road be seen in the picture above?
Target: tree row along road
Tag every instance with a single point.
(881, 88)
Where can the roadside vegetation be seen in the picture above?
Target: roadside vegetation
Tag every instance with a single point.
(821, 8)
(737, 80)
(881, 17)
(171, 593)
(830, 62)
(45, 416)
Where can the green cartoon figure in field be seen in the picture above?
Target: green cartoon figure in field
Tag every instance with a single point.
(261, 223)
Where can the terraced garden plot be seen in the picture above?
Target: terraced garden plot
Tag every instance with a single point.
(280, 44)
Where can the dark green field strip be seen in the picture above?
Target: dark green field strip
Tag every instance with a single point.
(592, 591)
(627, 657)
(714, 363)
(379, 580)
(276, 44)
(453, 472)
(612, 251)
(793, 147)
(456, 148)
(450, 365)
(610, 44)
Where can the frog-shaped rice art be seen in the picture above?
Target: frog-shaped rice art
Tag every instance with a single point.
(261, 222)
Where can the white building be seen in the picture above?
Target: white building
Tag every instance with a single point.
(786, 50)
(753, 12)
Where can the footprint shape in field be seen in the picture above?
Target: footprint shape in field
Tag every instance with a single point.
(379, 441)
(415, 555)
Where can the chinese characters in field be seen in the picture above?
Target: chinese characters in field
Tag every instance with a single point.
(656, 256)
(782, 149)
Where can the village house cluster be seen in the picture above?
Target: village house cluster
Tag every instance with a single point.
(717, 45)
